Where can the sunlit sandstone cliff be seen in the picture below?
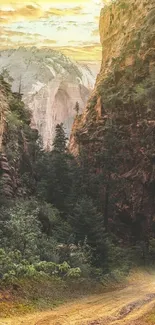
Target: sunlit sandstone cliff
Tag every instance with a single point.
(121, 109)
(50, 83)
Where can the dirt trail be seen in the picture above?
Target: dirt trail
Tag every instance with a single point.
(120, 307)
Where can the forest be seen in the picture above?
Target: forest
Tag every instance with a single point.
(58, 215)
(77, 219)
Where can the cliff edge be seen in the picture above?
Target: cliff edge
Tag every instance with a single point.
(117, 128)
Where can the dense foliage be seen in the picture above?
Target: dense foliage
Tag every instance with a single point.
(55, 222)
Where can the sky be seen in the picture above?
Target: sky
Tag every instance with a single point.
(70, 26)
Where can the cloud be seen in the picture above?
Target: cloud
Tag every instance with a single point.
(22, 38)
(31, 12)
(90, 52)
(68, 25)
(27, 12)
(49, 42)
(8, 33)
(29, 42)
(64, 12)
(3, 21)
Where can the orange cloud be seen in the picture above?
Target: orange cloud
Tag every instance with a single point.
(40, 2)
(3, 21)
(31, 12)
(4, 32)
(27, 12)
(82, 25)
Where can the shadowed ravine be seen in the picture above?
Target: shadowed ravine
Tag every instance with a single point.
(127, 306)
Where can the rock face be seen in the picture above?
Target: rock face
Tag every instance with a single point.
(119, 120)
(3, 109)
(50, 83)
(6, 183)
(4, 165)
(17, 144)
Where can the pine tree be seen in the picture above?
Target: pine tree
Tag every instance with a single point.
(87, 223)
(55, 174)
(77, 108)
(59, 143)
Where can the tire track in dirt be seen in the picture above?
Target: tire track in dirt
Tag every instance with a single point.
(120, 307)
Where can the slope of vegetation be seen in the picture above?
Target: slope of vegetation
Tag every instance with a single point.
(53, 234)
(71, 226)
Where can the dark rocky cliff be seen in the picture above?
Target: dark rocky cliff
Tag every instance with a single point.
(17, 140)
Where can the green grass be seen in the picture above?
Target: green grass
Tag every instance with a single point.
(29, 295)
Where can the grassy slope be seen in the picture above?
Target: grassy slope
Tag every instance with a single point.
(127, 306)
(29, 295)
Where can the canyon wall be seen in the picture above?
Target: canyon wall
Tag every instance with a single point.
(18, 146)
(51, 84)
(118, 124)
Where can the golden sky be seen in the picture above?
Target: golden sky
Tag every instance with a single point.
(70, 26)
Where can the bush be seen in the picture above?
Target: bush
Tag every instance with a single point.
(117, 259)
(21, 231)
(12, 267)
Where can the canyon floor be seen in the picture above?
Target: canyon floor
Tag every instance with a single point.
(127, 306)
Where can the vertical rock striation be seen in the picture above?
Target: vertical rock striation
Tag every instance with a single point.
(50, 83)
(123, 104)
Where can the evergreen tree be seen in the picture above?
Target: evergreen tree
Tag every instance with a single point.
(54, 172)
(77, 108)
(59, 143)
(87, 223)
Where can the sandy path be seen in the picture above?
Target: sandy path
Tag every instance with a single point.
(121, 307)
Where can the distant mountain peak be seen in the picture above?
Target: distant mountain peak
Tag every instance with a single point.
(51, 84)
